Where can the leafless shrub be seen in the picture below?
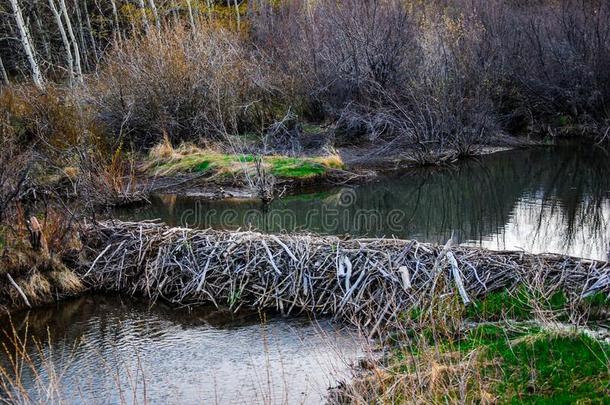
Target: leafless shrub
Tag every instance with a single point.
(283, 136)
(387, 72)
(548, 57)
(193, 85)
(453, 74)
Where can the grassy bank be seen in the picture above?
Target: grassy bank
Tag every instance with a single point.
(29, 278)
(505, 363)
(510, 346)
(37, 262)
(164, 160)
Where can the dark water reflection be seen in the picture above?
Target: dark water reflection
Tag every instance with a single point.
(554, 199)
(100, 344)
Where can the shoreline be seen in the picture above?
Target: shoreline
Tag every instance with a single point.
(360, 166)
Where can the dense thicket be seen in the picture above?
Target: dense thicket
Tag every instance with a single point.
(433, 75)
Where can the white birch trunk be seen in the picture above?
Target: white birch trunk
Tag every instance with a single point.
(237, 15)
(209, 4)
(3, 72)
(81, 33)
(90, 30)
(191, 18)
(115, 13)
(64, 39)
(77, 65)
(144, 16)
(153, 7)
(27, 45)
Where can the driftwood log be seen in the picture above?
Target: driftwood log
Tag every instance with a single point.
(365, 281)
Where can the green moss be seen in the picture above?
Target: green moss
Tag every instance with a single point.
(516, 304)
(598, 300)
(295, 167)
(542, 367)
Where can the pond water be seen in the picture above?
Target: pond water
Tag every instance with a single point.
(109, 350)
(551, 199)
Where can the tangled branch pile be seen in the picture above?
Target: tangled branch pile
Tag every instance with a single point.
(369, 282)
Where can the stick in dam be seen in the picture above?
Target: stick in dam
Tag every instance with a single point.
(364, 281)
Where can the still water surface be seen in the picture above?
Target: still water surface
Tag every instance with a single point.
(108, 350)
(554, 199)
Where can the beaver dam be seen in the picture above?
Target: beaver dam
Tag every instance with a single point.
(368, 282)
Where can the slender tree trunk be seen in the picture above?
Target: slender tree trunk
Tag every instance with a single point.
(91, 36)
(3, 72)
(144, 16)
(191, 18)
(79, 71)
(44, 36)
(27, 45)
(209, 4)
(237, 15)
(153, 6)
(64, 39)
(81, 34)
(115, 13)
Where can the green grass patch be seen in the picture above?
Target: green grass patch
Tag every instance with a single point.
(280, 166)
(295, 167)
(541, 367)
(516, 304)
(530, 365)
(597, 300)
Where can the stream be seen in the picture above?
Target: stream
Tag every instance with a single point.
(110, 349)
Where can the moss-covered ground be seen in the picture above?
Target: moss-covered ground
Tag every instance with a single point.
(510, 346)
(199, 161)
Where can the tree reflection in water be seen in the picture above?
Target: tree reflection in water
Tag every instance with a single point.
(551, 199)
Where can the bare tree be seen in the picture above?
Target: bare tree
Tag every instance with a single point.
(90, 31)
(191, 19)
(3, 72)
(64, 39)
(64, 10)
(153, 7)
(115, 14)
(27, 45)
(145, 22)
(237, 14)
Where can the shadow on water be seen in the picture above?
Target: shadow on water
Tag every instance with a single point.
(541, 200)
